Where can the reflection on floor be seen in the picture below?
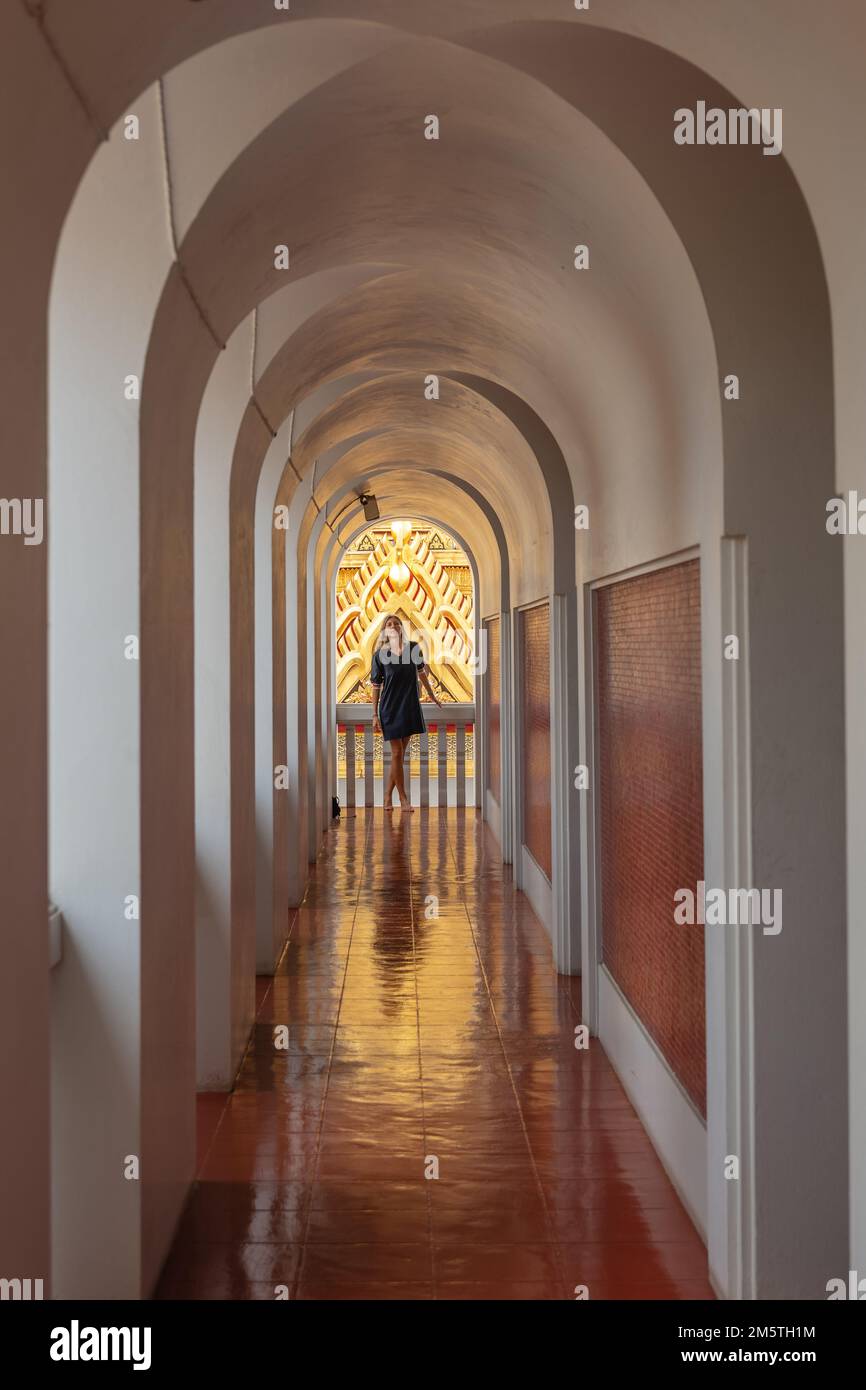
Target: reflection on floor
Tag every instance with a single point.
(426, 1031)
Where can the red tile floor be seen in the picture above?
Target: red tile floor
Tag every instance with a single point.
(425, 1022)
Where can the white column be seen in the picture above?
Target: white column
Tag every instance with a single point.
(114, 250)
(224, 402)
(855, 651)
(271, 899)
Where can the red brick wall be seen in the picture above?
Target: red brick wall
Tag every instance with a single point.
(651, 806)
(494, 724)
(535, 714)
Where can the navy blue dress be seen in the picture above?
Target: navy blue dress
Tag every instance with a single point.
(399, 706)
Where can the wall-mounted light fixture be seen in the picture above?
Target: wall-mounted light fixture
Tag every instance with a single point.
(368, 502)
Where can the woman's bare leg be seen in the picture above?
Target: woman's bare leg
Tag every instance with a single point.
(388, 798)
(397, 748)
(407, 804)
(396, 756)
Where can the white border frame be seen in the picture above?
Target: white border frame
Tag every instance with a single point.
(500, 822)
(738, 945)
(592, 936)
(530, 878)
(678, 1132)
(506, 733)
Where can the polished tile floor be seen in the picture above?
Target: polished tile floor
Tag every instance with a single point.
(429, 1129)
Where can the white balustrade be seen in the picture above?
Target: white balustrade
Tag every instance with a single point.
(430, 780)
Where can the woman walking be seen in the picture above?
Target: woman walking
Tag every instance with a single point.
(397, 666)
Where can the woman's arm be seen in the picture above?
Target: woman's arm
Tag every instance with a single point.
(425, 681)
(376, 679)
(377, 727)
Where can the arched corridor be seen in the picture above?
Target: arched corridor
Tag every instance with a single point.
(592, 1015)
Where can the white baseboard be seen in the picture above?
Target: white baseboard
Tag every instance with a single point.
(493, 816)
(536, 886)
(676, 1130)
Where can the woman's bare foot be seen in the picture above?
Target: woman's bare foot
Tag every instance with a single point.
(406, 805)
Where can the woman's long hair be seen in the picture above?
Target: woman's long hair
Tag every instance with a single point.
(382, 635)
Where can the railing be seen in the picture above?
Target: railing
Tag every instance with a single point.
(440, 764)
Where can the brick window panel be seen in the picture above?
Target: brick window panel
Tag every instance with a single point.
(494, 713)
(535, 714)
(648, 636)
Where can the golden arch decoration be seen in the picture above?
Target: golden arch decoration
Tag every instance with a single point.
(416, 571)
